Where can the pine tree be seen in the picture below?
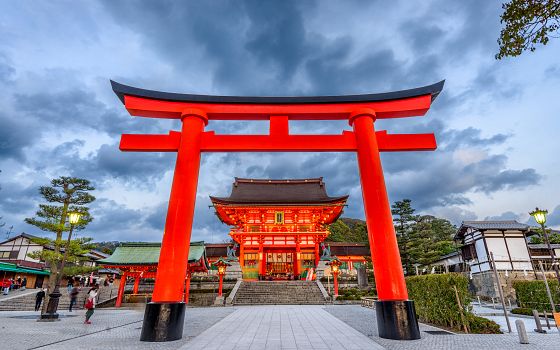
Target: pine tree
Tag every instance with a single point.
(404, 219)
(429, 239)
(68, 194)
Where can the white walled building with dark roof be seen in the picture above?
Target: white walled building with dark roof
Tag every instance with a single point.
(506, 240)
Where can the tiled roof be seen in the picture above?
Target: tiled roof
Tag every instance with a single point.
(496, 225)
(146, 254)
(290, 191)
(543, 246)
(490, 225)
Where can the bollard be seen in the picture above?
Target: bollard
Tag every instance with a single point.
(493, 305)
(538, 322)
(479, 303)
(521, 332)
(509, 303)
(546, 319)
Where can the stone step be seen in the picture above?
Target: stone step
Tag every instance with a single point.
(278, 292)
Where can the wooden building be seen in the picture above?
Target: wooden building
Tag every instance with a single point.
(278, 224)
(506, 240)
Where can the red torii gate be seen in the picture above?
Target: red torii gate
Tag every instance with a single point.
(163, 319)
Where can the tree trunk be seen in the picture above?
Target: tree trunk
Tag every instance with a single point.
(54, 264)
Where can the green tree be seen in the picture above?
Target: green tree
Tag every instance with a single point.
(429, 239)
(67, 194)
(339, 232)
(528, 23)
(404, 219)
(554, 237)
(348, 230)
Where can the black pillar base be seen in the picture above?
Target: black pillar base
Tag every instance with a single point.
(397, 320)
(163, 322)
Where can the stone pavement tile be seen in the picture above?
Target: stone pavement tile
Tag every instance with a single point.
(281, 327)
(363, 320)
(111, 329)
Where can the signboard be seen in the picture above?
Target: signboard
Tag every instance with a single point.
(328, 272)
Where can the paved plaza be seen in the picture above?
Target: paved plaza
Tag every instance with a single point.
(249, 327)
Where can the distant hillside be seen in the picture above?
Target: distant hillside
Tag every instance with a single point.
(348, 230)
(106, 247)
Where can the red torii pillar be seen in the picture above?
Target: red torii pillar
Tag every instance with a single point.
(163, 319)
(174, 254)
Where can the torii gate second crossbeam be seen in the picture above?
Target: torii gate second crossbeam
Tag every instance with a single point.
(163, 319)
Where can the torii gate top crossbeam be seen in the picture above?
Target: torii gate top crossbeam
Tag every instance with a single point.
(396, 104)
(279, 110)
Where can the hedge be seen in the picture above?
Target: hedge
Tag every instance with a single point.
(532, 294)
(436, 303)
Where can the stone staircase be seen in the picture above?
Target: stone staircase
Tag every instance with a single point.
(278, 292)
(27, 302)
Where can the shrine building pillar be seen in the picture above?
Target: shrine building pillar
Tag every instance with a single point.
(242, 253)
(120, 293)
(187, 287)
(317, 257)
(167, 309)
(136, 284)
(261, 259)
(395, 313)
(297, 259)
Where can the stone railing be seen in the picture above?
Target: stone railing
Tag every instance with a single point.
(368, 302)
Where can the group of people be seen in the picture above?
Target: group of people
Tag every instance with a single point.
(11, 284)
(73, 292)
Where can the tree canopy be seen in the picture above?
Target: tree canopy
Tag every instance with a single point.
(528, 23)
(64, 195)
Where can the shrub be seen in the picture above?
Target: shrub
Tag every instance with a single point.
(481, 325)
(435, 301)
(522, 311)
(532, 294)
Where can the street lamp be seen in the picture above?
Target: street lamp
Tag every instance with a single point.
(335, 269)
(54, 297)
(540, 218)
(221, 264)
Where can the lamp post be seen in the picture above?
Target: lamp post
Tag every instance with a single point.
(540, 218)
(335, 269)
(54, 297)
(221, 264)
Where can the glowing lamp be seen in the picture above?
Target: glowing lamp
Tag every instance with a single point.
(221, 264)
(539, 215)
(74, 218)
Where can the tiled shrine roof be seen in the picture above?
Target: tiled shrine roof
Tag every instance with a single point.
(289, 191)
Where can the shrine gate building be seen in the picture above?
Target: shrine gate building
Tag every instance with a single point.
(278, 224)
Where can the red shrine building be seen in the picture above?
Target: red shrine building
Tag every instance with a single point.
(278, 224)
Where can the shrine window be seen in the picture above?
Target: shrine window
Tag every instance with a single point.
(251, 259)
(279, 217)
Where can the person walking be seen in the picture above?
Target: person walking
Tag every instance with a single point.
(73, 297)
(7, 284)
(90, 303)
(24, 283)
(39, 299)
(70, 285)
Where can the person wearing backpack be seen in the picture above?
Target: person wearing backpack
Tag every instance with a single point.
(90, 303)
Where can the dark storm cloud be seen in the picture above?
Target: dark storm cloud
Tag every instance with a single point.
(7, 71)
(508, 215)
(78, 108)
(15, 135)
(266, 48)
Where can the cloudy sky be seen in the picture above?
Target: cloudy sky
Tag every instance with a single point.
(496, 122)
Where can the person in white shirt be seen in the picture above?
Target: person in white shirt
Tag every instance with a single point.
(90, 303)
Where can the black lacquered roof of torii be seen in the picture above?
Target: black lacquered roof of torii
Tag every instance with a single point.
(121, 90)
(273, 192)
